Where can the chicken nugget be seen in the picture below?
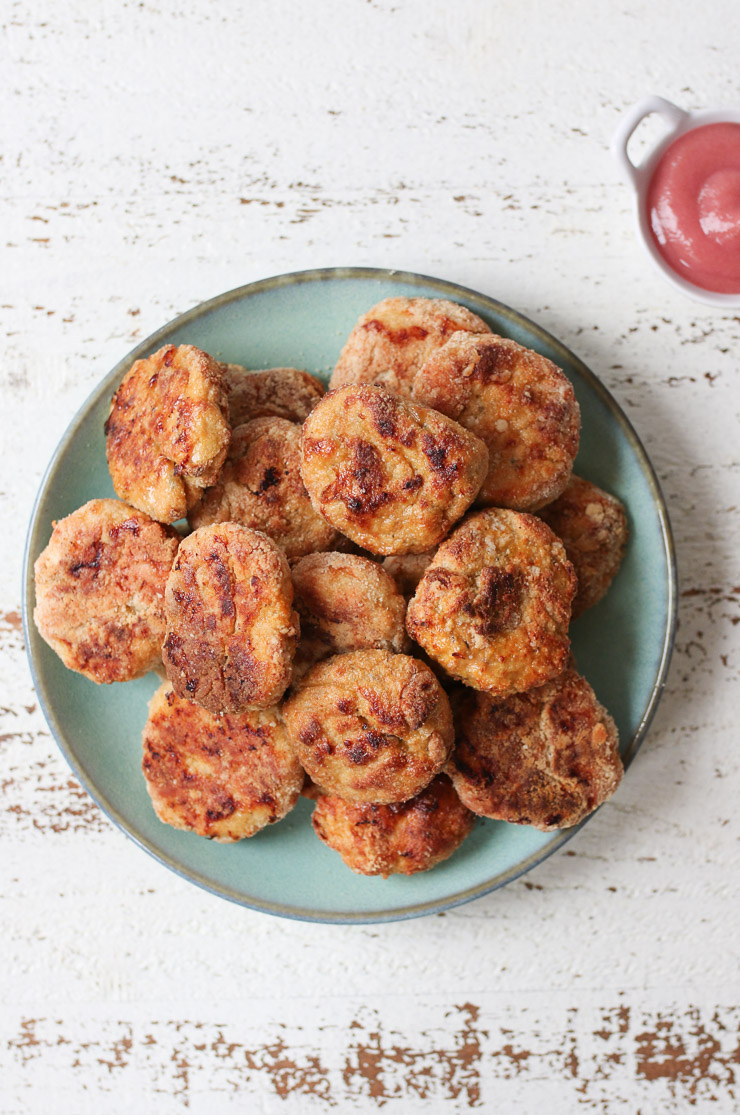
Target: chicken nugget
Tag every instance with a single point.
(273, 393)
(168, 431)
(494, 605)
(260, 486)
(592, 525)
(546, 758)
(392, 340)
(370, 725)
(345, 602)
(397, 839)
(391, 475)
(519, 403)
(231, 628)
(224, 777)
(100, 587)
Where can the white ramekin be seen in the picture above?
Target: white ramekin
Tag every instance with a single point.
(639, 178)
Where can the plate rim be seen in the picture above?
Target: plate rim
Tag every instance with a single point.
(446, 288)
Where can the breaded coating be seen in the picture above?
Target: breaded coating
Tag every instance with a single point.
(493, 607)
(168, 431)
(370, 726)
(224, 777)
(273, 393)
(545, 758)
(345, 603)
(231, 628)
(397, 839)
(408, 569)
(391, 475)
(392, 340)
(519, 403)
(100, 586)
(260, 486)
(592, 525)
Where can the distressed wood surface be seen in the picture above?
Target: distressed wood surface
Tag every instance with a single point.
(155, 156)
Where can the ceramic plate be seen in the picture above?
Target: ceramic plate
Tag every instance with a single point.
(622, 646)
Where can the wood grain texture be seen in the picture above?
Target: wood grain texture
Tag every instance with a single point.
(587, 1057)
(154, 156)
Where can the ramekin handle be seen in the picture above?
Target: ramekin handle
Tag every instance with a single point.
(632, 118)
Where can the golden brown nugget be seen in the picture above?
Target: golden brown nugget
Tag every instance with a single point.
(545, 758)
(224, 777)
(519, 403)
(231, 628)
(168, 431)
(260, 486)
(392, 340)
(345, 602)
(273, 393)
(493, 607)
(592, 525)
(391, 475)
(100, 587)
(370, 725)
(398, 839)
(408, 569)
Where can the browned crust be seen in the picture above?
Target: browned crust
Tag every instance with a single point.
(592, 525)
(519, 403)
(370, 726)
(168, 431)
(398, 839)
(392, 340)
(100, 587)
(545, 758)
(391, 475)
(288, 393)
(231, 629)
(494, 605)
(260, 486)
(345, 603)
(223, 777)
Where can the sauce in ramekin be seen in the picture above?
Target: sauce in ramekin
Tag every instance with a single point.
(693, 203)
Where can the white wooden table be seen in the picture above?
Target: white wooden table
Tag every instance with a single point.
(156, 155)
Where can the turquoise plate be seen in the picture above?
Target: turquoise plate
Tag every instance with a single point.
(622, 646)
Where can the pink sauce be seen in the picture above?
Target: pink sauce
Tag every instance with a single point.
(694, 206)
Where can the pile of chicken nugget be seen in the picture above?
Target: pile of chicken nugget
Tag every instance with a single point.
(371, 602)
